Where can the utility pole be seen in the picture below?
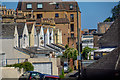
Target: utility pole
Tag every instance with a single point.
(78, 44)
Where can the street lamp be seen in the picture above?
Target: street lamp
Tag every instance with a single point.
(78, 43)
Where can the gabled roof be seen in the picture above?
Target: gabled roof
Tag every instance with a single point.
(108, 61)
(47, 6)
(38, 29)
(20, 29)
(29, 27)
(45, 30)
(112, 37)
(8, 29)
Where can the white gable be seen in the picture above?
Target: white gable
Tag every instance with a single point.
(35, 35)
(25, 37)
(51, 37)
(41, 37)
(16, 37)
(47, 36)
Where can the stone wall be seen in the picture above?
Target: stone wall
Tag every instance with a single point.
(11, 72)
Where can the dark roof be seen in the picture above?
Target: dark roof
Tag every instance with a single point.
(9, 28)
(61, 20)
(20, 28)
(99, 34)
(108, 61)
(112, 37)
(63, 6)
(29, 27)
(58, 46)
(7, 31)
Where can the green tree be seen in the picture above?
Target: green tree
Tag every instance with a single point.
(70, 53)
(27, 66)
(66, 46)
(115, 12)
(109, 19)
(85, 52)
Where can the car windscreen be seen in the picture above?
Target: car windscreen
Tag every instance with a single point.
(65, 64)
(37, 75)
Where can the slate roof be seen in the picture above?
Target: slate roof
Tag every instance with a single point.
(20, 29)
(29, 27)
(63, 6)
(7, 29)
(112, 37)
(108, 61)
(61, 20)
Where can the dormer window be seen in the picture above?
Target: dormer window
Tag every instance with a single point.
(57, 6)
(39, 5)
(29, 6)
(71, 6)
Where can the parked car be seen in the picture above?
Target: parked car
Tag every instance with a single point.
(31, 75)
(65, 66)
(51, 77)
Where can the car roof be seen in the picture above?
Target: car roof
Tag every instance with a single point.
(33, 72)
(51, 76)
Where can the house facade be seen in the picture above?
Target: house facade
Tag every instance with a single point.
(64, 15)
(110, 40)
(103, 27)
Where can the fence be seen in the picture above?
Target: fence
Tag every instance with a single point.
(2, 59)
(15, 60)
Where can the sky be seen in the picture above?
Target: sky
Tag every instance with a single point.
(91, 12)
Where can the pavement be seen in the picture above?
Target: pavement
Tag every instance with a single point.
(71, 74)
(94, 74)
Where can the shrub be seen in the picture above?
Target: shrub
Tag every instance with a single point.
(70, 69)
(62, 75)
(27, 66)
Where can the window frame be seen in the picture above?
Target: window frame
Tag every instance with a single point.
(57, 6)
(70, 6)
(39, 17)
(72, 20)
(27, 6)
(56, 16)
(38, 4)
(72, 28)
(72, 35)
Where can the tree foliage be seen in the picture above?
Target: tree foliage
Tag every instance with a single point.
(85, 52)
(109, 19)
(70, 53)
(27, 66)
(115, 12)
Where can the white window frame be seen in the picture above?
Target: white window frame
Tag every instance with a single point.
(39, 5)
(29, 5)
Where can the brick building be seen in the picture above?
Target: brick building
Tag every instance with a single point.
(103, 26)
(101, 29)
(109, 40)
(64, 15)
